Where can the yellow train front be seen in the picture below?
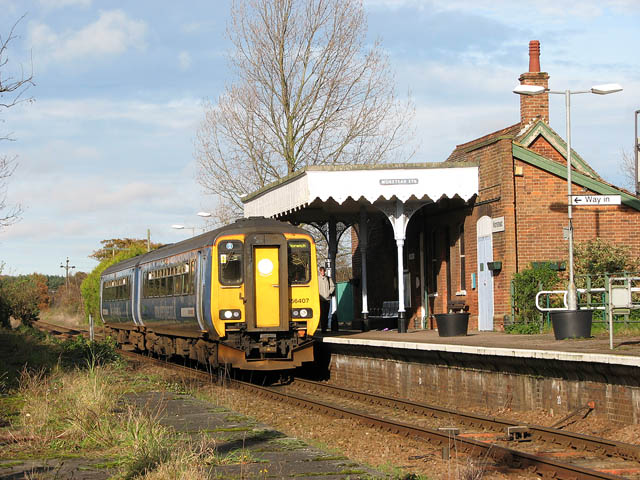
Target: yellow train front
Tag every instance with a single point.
(264, 298)
(244, 295)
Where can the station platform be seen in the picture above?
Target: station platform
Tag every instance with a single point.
(494, 371)
(626, 349)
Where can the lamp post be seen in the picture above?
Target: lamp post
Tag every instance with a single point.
(182, 227)
(572, 293)
(636, 151)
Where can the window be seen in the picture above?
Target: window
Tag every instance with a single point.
(117, 289)
(230, 263)
(435, 259)
(299, 261)
(168, 281)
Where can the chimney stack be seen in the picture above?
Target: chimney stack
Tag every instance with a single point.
(533, 107)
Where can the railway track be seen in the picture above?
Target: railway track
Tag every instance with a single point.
(66, 332)
(605, 459)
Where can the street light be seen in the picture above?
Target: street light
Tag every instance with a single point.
(182, 227)
(204, 214)
(572, 293)
(636, 150)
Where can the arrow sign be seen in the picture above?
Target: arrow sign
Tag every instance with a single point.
(595, 200)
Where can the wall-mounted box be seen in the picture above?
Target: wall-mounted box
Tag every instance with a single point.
(494, 266)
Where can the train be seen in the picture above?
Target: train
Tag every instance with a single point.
(243, 296)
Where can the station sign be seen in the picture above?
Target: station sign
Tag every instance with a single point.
(595, 200)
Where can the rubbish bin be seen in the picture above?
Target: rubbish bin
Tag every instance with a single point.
(452, 324)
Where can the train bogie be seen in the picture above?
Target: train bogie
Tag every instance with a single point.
(244, 295)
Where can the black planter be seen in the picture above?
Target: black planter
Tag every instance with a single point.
(452, 324)
(572, 324)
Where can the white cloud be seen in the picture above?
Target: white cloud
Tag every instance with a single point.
(175, 114)
(549, 8)
(112, 34)
(55, 4)
(184, 60)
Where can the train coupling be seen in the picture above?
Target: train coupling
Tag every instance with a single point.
(268, 343)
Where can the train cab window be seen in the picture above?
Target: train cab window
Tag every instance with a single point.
(230, 264)
(299, 261)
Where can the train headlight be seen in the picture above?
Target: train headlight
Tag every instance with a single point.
(230, 314)
(301, 313)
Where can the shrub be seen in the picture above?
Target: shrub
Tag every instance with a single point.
(600, 256)
(527, 283)
(22, 297)
(91, 285)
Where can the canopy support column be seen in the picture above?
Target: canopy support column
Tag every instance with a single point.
(333, 252)
(399, 228)
(362, 242)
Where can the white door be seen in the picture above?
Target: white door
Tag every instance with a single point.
(485, 278)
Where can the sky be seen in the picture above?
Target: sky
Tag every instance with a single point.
(106, 147)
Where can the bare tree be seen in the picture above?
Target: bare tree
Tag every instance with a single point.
(12, 89)
(307, 91)
(627, 167)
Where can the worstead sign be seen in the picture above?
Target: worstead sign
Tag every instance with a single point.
(595, 200)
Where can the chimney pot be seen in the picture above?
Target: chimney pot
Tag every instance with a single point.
(533, 107)
(534, 56)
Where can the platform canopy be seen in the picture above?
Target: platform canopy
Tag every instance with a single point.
(328, 195)
(329, 190)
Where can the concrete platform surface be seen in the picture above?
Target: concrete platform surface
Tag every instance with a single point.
(626, 350)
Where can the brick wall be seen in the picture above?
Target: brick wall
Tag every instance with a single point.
(495, 383)
(534, 206)
(541, 214)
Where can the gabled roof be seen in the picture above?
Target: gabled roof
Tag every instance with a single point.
(540, 129)
(461, 150)
(594, 184)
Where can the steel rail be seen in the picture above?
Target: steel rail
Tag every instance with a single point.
(501, 455)
(598, 445)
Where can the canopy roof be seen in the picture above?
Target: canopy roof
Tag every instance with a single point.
(344, 186)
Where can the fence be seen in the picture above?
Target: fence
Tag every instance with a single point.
(593, 294)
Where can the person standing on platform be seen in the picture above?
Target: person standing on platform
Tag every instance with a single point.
(325, 288)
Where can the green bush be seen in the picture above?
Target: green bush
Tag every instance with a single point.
(90, 286)
(600, 256)
(81, 351)
(22, 297)
(526, 284)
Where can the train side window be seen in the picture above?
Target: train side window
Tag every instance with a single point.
(190, 279)
(230, 264)
(170, 285)
(177, 284)
(299, 261)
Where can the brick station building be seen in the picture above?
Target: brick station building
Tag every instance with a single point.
(462, 250)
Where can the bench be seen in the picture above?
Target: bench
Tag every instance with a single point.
(457, 306)
(383, 317)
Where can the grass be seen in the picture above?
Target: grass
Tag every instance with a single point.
(65, 400)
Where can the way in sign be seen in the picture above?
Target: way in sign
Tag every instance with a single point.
(596, 200)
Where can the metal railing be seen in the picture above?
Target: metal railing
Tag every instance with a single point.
(589, 298)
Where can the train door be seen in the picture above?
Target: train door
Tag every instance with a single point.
(200, 282)
(135, 296)
(267, 286)
(267, 306)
